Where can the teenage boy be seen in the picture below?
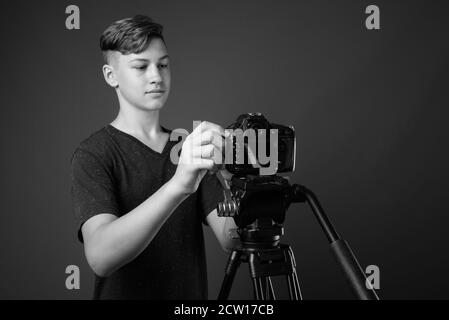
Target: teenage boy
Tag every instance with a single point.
(141, 214)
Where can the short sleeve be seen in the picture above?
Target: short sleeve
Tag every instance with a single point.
(210, 194)
(92, 188)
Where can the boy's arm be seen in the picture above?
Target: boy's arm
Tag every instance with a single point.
(111, 242)
(221, 227)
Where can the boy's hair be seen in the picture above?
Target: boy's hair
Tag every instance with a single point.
(130, 35)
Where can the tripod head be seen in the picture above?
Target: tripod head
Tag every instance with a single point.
(258, 205)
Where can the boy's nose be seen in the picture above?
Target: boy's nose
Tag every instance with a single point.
(154, 75)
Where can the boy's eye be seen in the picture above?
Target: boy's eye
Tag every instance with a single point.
(140, 67)
(163, 65)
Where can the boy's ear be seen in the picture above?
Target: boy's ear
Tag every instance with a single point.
(109, 75)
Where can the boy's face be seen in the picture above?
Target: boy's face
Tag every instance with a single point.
(143, 79)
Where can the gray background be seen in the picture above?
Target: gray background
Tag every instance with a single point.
(370, 110)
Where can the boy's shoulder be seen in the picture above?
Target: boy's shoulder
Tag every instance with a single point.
(97, 143)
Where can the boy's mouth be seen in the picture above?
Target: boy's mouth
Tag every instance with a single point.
(156, 91)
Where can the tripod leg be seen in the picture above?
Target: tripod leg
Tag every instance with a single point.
(291, 288)
(296, 284)
(257, 289)
(295, 280)
(258, 286)
(294, 289)
(263, 288)
(231, 269)
(267, 288)
(270, 291)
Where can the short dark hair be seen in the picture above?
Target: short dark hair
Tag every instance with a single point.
(130, 35)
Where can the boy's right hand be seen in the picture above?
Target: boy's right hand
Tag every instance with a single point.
(201, 151)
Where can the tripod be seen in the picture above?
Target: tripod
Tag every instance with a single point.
(264, 262)
(258, 205)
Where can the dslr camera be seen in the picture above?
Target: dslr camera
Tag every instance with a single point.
(258, 147)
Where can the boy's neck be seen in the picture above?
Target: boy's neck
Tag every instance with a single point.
(142, 124)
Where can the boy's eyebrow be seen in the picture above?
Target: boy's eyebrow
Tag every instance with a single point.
(146, 60)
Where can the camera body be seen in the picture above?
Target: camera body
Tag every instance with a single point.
(252, 137)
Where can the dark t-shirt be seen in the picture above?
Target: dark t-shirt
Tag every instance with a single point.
(114, 172)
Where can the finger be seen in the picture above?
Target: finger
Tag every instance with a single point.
(206, 126)
(205, 151)
(208, 137)
(209, 151)
(219, 143)
(218, 157)
(207, 164)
